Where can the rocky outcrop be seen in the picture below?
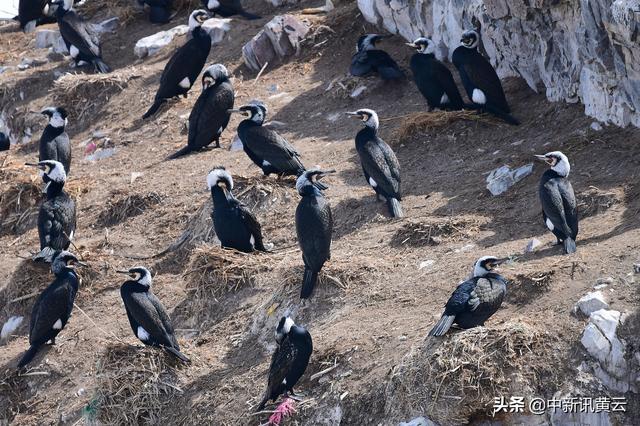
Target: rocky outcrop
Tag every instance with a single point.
(574, 50)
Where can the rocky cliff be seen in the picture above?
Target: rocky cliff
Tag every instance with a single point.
(575, 50)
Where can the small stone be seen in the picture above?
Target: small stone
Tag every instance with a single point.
(595, 126)
(426, 264)
(532, 245)
(358, 91)
(236, 145)
(605, 280)
(402, 338)
(108, 25)
(590, 303)
(503, 178)
(600, 286)
(418, 421)
(636, 268)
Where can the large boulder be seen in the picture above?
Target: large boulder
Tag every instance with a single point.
(150, 45)
(579, 50)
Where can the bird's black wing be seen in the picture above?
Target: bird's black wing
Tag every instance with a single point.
(76, 32)
(553, 206)
(463, 299)
(281, 362)
(164, 317)
(252, 224)
(445, 78)
(145, 312)
(56, 222)
(29, 10)
(186, 62)
(55, 303)
(209, 116)
(482, 75)
(314, 225)
(570, 207)
(384, 64)
(360, 64)
(381, 167)
(275, 149)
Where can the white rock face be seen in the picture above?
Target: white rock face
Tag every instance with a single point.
(576, 51)
(503, 178)
(278, 3)
(217, 29)
(592, 302)
(418, 421)
(150, 45)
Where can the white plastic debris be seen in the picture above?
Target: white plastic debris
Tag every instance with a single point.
(595, 126)
(426, 264)
(10, 326)
(358, 91)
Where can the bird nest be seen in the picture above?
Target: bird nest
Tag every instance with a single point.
(420, 122)
(453, 378)
(127, 206)
(343, 87)
(434, 232)
(133, 386)
(594, 201)
(19, 201)
(527, 288)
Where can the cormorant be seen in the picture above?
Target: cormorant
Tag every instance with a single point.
(53, 307)
(379, 163)
(475, 300)
(80, 37)
(54, 142)
(289, 361)
(314, 226)
(148, 318)
(226, 8)
(559, 207)
(210, 114)
(433, 78)
(57, 215)
(369, 59)
(5, 142)
(159, 11)
(185, 65)
(235, 225)
(35, 12)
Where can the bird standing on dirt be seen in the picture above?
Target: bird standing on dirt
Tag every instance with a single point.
(35, 12)
(475, 300)
(226, 8)
(379, 163)
(57, 215)
(314, 226)
(53, 307)
(559, 207)
(210, 114)
(289, 361)
(80, 37)
(185, 65)
(433, 78)
(148, 318)
(368, 59)
(235, 225)
(480, 80)
(54, 142)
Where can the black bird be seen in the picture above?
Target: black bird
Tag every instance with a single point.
(54, 142)
(35, 12)
(314, 226)
(289, 361)
(80, 37)
(185, 65)
(57, 215)
(159, 11)
(210, 114)
(368, 59)
(475, 300)
(235, 225)
(5, 142)
(53, 307)
(480, 80)
(148, 318)
(226, 8)
(379, 163)
(433, 78)
(559, 207)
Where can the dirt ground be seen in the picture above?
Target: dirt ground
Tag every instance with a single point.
(374, 303)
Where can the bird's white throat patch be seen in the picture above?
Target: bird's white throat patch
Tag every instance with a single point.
(288, 323)
(216, 176)
(57, 121)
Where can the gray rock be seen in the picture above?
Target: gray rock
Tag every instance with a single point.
(108, 25)
(278, 3)
(418, 421)
(279, 39)
(217, 28)
(503, 178)
(532, 245)
(46, 38)
(576, 51)
(591, 302)
(596, 127)
(636, 268)
(150, 45)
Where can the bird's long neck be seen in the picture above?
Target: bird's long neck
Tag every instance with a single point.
(366, 134)
(54, 189)
(199, 33)
(308, 190)
(220, 196)
(53, 131)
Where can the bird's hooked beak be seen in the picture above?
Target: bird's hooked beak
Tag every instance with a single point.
(238, 111)
(354, 114)
(545, 159)
(120, 271)
(76, 262)
(321, 174)
(40, 166)
(494, 264)
(412, 45)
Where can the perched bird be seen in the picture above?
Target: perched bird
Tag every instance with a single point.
(433, 78)
(5, 142)
(559, 207)
(235, 225)
(368, 59)
(475, 300)
(35, 12)
(185, 65)
(148, 318)
(159, 10)
(226, 8)
(80, 37)
(53, 307)
(480, 80)
(289, 361)
(54, 142)
(210, 114)
(57, 215)
(314, 226)
(379, 163)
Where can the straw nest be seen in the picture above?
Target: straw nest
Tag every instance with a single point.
(20, 198)
(126, 11)
(127, 206)
(21, 289)
(434, 231)
(133, 386)
(420, 122)
(524, 288)
(453, 378)
(594, 201)
(344, 86)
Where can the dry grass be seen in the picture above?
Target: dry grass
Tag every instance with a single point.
(342, 87)
(21, 289)
(133, 386)
(525, 288)
(20, 197)
(419, 122)
(452, 378)
(127, 206)
(434, 232)
(127, 11)
(594, 201)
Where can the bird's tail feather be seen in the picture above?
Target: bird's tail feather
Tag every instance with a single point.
(442, 326)
(154, 108)
(264, 401)
(390, 73)
(395, 208)
(28, 356)
(102, 66)
(183, 151)
(503, 115)
(249, 16)
(569, 245)
(45, 255)
(177, 354)
(308, 283)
